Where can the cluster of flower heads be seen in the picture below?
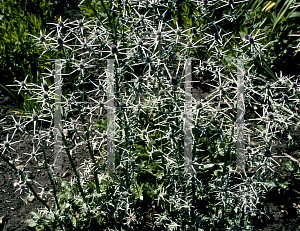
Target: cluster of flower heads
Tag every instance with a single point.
(144, 36)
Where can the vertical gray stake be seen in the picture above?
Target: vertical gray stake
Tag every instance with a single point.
(240, 145)
(110, 115)
(188, 116)
(57, 119)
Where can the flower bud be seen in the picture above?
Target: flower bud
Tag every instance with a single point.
(268, 153)
(81, 66)
(60, 41)
(98, 23)
(173, 81)
(35, 117)
(42, 39)
(46, 96)
(294, 85)
(194, 30)
(6, 144)
(189, 44)
(114, 49)
(178, 32)
(216, 36)
(285, 97)
(148, 60)
(61, 24)
(144, 133)
(251, 40)
(271, 116)
(198, 106)
(45, 86)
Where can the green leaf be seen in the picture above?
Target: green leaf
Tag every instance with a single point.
(294, 14)
(31, 222)
(261, 127)
(282, 12)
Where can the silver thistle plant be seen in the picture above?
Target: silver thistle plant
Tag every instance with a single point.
(162, 110)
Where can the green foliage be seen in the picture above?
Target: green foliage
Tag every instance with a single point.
(18, 55)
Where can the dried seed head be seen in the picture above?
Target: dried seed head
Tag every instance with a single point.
(285, 97)
(42, 39)
(294, 85)
(114, 49)
(45, 86)
(60, 41)
(270, 116)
